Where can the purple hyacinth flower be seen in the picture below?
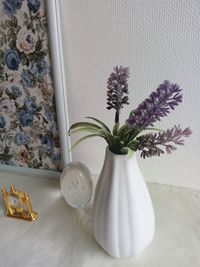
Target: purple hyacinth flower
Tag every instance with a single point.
(117, 90)
(158, 105)
(153, 144)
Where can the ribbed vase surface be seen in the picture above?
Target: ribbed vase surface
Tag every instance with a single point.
(123, 215)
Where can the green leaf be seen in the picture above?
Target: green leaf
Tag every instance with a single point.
(122, 130)
(38, 45)
(34, 83)
(14, 21)
(116, 141)
(25, 15)
(101, 123)
(115, 128)
(3, 26)
(83, 138)
(1, 54)
(107, 135)
(128, 151)
(115, 147)
(24, 60)
(128, 131)
(40, 55)
(124, 150)
(18, 28)
(40, 164)
(84, 129)
(83, 125)
(12, 44)
(153, 129)
(6, 150)
(131, 142)
(26, 22)
(5, 157)
(129, 135)
(35, 162)
(1, 42)
(8, 23)
(39, 109)
(11, 35)
(2, 78)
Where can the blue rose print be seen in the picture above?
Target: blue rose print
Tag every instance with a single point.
(55, 158)
(12, 59)
(47, 143)
(26, 118)
(49, 115)
(15, 91)
(33, 5)
(10, 6)
(2, 122)
(22, 138)
(39, 69)
(28, 123)
(30, 104)
(26, 79)
(18, 3)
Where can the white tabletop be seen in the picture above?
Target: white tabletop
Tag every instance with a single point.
(62, 236)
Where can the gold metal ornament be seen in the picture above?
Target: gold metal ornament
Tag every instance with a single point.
(18, 204)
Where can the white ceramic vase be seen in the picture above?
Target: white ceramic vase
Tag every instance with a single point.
(123, 215)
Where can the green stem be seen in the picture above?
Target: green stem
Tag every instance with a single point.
(117, 116)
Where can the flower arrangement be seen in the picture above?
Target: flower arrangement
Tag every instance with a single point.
(129, 137)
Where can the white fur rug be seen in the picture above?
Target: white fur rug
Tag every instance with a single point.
(62, 236)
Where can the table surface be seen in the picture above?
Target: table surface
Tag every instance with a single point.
(62, 236)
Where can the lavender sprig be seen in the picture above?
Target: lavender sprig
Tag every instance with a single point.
(150, 143)
(158, 105)
(117, 88)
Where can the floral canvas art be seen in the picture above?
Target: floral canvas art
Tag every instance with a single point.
(28, 127)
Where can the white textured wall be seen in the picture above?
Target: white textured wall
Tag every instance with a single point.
(158, 40)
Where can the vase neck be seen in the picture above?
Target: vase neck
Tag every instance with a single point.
(123, 157)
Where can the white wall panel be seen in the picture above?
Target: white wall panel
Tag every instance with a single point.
(158, 40)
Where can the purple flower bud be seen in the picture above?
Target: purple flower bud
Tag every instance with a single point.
(117, 88)
(151, 144)
(158, 105)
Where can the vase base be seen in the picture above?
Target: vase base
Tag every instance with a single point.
(132, 254)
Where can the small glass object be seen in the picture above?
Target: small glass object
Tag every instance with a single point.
(76, 185)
